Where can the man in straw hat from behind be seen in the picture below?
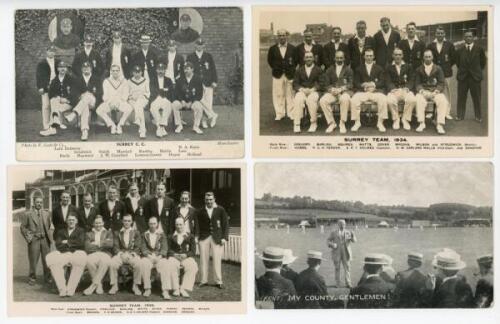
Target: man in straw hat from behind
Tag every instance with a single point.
(271, 285)
(286, 271)
(484, 288)
(374, 291)
(452, 291)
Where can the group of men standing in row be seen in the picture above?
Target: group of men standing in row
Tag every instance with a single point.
(142, 233)
(383, 69)
(126, 83)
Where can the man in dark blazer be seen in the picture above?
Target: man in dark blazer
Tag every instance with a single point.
(86, 213)
(162, 96)
(112, 210)
(336, 83)
(357, 45)
(413, 288)
(88, 54)
(37, 229)
(45, 72)
(174, 62)
(212, 234)
(61, 212)
(413, 48)
(483, 296)
(333, 46)
(386, 39)
(146, 57)
(186, 212)
(282, 59)
(307, 86)
(309, 45)
(135, 205)
(471, 61)
(373, 285)
(443, 52)
(369, 82)
(118, 54)
(160, 206)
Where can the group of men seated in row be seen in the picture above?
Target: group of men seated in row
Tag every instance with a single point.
(132, 82)
(383, 70)
(143, 234)
(379, 286)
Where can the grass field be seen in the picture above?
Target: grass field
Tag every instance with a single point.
(468, 242)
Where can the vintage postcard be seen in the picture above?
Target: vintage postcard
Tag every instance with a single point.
(129, 83)
(126, 240)
(377, 235)
(384, 81)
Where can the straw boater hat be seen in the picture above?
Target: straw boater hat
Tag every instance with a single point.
(145, 39)
(415, 256)
(271, 253)
(288, 256)
(448, 260)
(315, 255)
(376, 258)
(485, 259)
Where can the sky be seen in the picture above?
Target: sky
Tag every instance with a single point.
(19, 177)
(295, 21)
(411, 184)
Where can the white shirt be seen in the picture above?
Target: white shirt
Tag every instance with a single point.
(97, 237)
(361, 42)
(170, 66)
(469, 46)
(179, 237)
(199, 54)
(86, 78)
(160, 82)
(52, 68)
(336, 45)
(134, 201)
(308, 47)
(152, 239)
(61, 79)
(398, 68)
(87, 211)
(111, 205)
(411, 42)
(448, 278)
(87, 52)
(387, 36)
(369, 67)
(439, 46)
(308, 69)
(372, 275)
(282, 49)
(160, 205)
(184, 211)
(428, 68)
(188, 79)
(126, 236)
(338, 68)
(72, 230)
(209, 211)
(64, 210)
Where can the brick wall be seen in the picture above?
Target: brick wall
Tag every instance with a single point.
(222, 31)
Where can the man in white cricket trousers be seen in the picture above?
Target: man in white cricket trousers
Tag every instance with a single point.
(212, 233)
(340, 242)
(45, 73)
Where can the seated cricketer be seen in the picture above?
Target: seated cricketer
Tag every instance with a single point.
(70, 245)
(138, 98)
(162, 96)
(99, 248)
(126, 250)
(154, 251)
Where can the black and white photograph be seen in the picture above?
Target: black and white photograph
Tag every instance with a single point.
(93, 79)
(169, 236)
(373, 235)
(334, 74)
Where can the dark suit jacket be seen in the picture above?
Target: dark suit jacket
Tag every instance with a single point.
(164, 217)
(112, 219)
(310, 283)
(429, 82)
(329, 53)
(217, 226)
(64, 89)
(282, 65)
(317, 51)
(134, 244)
(94, 86)
(413, 56)
(94, 58)
(412, 290)
(126, 59)
(138, 214)
(43, 74)
(484, 291)
(371, 286)
(31, 227)
(178, 64)
(446, 58)
(289, 273)
(204, 67)
(191, 217)
(188, 245)
(302, 81)
(454, 293)
(273, 287)
(58, 218)
(470, 64)
(189, 91)
(87, 223)
(383, 51)
(75, 241)
(159, 248)
(376, 75)
(329, 79)
(150, 60)
(356, 55)
(168, 90)
(405, 79)
(106, 242)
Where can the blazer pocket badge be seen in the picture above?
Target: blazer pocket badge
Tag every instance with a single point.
(68, 89)
(187, 246)
(207, 65)
(418, 54)
(218, 223)
(126, 59)
(446, 57)
(193, 91)
(433, 81)
(95, 63)
(152, 62)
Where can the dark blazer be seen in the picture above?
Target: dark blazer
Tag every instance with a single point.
(75, 241)
(217, 226)
(356, 55)
(310, 283)
(317, 51)
(43, 74)
(405, 79)
(413, 56)
(166, 214)
(87, 223)
(470, 64)
(289, 273)
(191, 216)
(58, 218)
(383, 51)
(94, 86)
(302, 81)
(106, 242)
(282, 65)
(189, 91)
(376, 75)
(31, 227)
(178, 64)
(188, 245)
(446, 58)
(168, 90)
(204, 67)
(138, 214)
(273, 287)
(94, 58)
(329, 53)
(134, 244)
(64, 89)
(329, 79)
(150, 60)
(126, 59)
(413, 289)
(112, 219)
(454, 293)
(371, 286)
(160, 248)
(484, 291)
(434, 81)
